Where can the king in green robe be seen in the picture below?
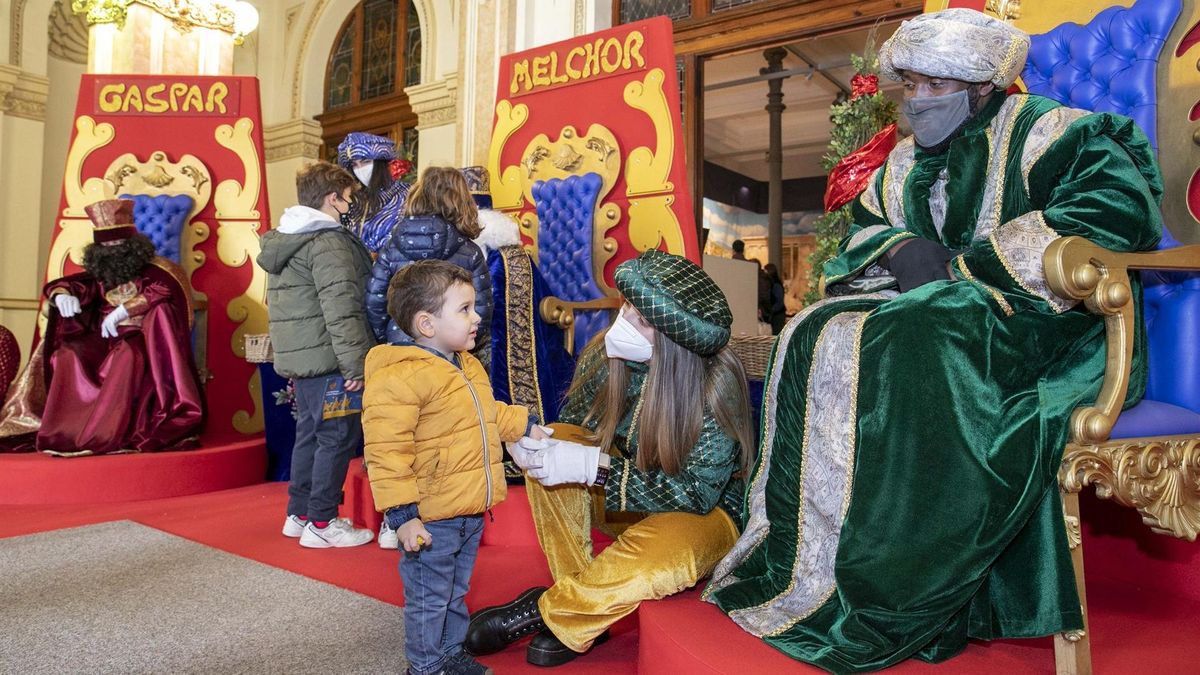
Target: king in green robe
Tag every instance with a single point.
(905, 496)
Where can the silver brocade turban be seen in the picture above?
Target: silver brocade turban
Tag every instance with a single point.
(959, 44)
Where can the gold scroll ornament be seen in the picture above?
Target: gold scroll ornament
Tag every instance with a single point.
(238, 244)
(651, 220)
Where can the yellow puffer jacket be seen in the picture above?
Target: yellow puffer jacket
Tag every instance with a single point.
(433, 432)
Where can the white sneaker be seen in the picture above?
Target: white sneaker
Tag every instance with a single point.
(388, 538)
(293, 527)
(339, 534)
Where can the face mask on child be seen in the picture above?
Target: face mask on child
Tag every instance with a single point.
(364, 173)
(623, 341)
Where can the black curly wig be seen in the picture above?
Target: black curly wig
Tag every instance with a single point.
(118, 263)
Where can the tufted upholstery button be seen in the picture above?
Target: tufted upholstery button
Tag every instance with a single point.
(162, 219)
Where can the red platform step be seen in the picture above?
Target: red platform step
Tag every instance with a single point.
(36, 478)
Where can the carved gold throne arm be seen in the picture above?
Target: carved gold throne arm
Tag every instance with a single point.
(1159, 476)
(1077, 268)
(561, 313)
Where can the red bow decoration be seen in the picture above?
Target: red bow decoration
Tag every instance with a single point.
(850, 176)
(399, 168)
(863, 85)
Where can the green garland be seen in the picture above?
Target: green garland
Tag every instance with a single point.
(855, 121)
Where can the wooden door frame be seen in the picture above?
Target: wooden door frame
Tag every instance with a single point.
(758, 26)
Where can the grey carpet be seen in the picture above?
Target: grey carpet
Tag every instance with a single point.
(124, 598)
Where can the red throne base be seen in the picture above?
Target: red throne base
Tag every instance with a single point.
(218, 464)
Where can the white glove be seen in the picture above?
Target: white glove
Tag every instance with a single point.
(527, 453)
(67, 304)
(108, 328)
(567, 462)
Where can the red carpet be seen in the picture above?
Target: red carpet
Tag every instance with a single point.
(1143, 589)
(36, 478)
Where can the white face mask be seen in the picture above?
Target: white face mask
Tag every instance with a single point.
(364, 173)
(623, 341)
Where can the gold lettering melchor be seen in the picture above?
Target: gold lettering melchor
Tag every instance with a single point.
(591, 59)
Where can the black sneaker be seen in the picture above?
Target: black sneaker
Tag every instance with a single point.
(462, 664)
(494, 628)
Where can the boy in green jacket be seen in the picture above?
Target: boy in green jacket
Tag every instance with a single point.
(317, 272)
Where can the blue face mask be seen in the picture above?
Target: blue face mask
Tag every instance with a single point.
(934, 118)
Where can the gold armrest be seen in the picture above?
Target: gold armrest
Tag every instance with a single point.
(1077, 268)
(561, 313)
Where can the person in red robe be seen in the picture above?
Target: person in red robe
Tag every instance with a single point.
(117, 360)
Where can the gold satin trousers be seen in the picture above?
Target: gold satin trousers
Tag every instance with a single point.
(653, 557)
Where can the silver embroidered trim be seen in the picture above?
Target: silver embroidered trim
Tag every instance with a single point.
(899, 165)
(865, 234)
(870, 196)
(999, 134)
(1021, 244)
(757, 525)
(825, 479)
(938, 202)
(1045, 131)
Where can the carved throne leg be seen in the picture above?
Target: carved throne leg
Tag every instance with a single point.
(1073, 650)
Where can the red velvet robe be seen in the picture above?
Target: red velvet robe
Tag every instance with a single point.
(138, 392)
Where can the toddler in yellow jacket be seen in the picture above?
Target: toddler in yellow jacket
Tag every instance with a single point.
(433, 455)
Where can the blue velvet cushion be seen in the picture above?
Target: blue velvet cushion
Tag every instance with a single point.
(1155, 418)
(162, 220)
(565, 211)
(1109, 65)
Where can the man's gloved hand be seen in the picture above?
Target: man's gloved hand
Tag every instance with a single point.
(527, 453)
(916, 262)
(108, 328)
(67, 304)
(566, 462)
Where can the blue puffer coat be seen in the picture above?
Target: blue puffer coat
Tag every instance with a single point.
(425, 238)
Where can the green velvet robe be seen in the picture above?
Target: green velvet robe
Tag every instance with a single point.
(905, 498)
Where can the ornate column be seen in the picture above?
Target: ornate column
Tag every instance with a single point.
(775, 108)
(436, 106)
(288, 147)
(23, 98)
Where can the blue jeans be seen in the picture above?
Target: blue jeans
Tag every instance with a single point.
(321, 454)
(435, 592)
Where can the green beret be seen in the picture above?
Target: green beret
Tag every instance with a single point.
(678, 298)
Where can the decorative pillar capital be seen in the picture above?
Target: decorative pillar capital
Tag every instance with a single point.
(23, 94)
(291, 139)
(434, 103)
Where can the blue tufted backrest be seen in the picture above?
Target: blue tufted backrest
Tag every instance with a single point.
(1109, 65)
(162, 220)
(565, 209)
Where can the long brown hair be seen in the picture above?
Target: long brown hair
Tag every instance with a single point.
(442, 191)
(679, 387)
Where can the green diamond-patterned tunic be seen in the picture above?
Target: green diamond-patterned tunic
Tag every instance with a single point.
(706, 480)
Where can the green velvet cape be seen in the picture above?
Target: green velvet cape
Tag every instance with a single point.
(905, 497)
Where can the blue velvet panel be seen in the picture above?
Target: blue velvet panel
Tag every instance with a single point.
(162, 219)
(566, 211)
(1109, 65)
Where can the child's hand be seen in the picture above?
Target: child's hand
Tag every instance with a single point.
(413, 536)
(540, 433)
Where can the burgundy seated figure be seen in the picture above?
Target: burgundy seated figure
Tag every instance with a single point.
(116, 358)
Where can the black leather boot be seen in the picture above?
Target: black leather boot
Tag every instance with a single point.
(495, 628)
(546, 650)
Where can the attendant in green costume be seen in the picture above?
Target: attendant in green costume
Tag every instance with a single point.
(660, 405)
(904, 499)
